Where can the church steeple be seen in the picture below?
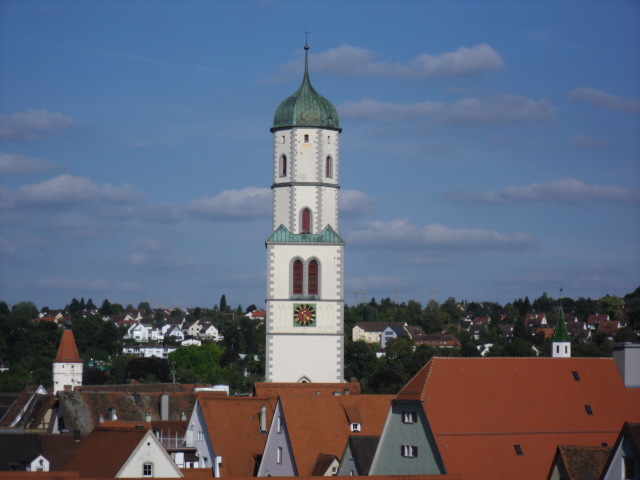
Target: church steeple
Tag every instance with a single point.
(305, 253)
(561, 343)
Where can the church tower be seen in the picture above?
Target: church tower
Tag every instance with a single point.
(561, 342)
(305, 253)
(67, 367)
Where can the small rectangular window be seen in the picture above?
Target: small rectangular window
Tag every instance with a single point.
(147, 470)
(629, 467)
(279, 455)
(588, 409)
(518, 449)
(409, 451)
(279, 430)
(356, 427)
(409, 417)
(306, 138)
(576, 376)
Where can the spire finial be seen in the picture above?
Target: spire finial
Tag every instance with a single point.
(306, 39)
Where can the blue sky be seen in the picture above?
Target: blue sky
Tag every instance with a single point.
(489, 149)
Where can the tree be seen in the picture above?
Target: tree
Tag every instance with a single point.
(223, 303)
(203, 361)
(106, 308)
(433, 319)
(360, 360)
(612, 306)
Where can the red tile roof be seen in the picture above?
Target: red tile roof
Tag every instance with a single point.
(583, 463)
(234, 429)
(273, 390)
(105, 451)
(67, 351)
(320, 425)
(480, 408)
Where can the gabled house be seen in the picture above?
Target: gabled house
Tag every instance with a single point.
(579, 462)
(624, 461)
(123, 453)
(595, 319)
(371, 332)
(357, 456)
(392, 332)
(229, 434)
(192, 328)
(523, 408)
(36, 452)
(305, 430)
(174, 331)
(535, 320)
(27, 409)
(210, 332)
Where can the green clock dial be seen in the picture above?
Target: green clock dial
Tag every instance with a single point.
(304, 315)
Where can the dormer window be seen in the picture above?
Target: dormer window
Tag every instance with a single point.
(409, 417)
(356, 427)
(409, 451)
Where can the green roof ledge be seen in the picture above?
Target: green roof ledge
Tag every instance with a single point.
(283, 235)
(306, 107)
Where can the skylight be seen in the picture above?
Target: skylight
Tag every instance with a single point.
(576, 376)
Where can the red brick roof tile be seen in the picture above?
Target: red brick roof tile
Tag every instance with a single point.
(480, 408)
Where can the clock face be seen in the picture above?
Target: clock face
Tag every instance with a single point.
(304, 315)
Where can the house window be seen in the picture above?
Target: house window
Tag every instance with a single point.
(313, 277)
(328, 170)
(297, 277)
(147, 470)
(283, 166)
(518, 449)
(279, 430)
(356, 427)
(629, 467)
(306, 220)
(200, 435)
(409, 417)
(279, 455)
(576, 376)
(588, 409)
(409, 451)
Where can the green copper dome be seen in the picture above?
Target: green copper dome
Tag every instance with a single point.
(306, 107)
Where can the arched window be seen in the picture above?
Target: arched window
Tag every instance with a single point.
(312, 271)
(283, 166)
(328, 169)
(297, 277)
(306, 220)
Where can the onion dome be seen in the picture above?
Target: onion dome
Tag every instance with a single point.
(306, 107)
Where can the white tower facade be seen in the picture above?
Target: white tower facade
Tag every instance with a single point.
(305, 294)
(561, 342)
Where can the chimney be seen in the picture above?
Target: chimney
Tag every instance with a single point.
(147, 416)
(101, 418)
(164, 407)
(627, 358)
(183, 416)
(112, 414)
(263, 419)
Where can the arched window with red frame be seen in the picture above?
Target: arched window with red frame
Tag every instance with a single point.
(306, 220)
(328, 169)
(283, 166)
(312, 284)
(297, 277)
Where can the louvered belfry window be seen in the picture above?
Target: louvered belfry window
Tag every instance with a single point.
(297, 277)
(313, 277)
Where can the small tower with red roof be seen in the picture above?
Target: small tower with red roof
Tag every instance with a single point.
(67, 367)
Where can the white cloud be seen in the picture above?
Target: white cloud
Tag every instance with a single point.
(32, 124)
(250, 202)
(16, 164)
(567, 190)
(67, 189)
(355, 202)
(403, 234)
(359, 62)
(501, 109)
(601, 99)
